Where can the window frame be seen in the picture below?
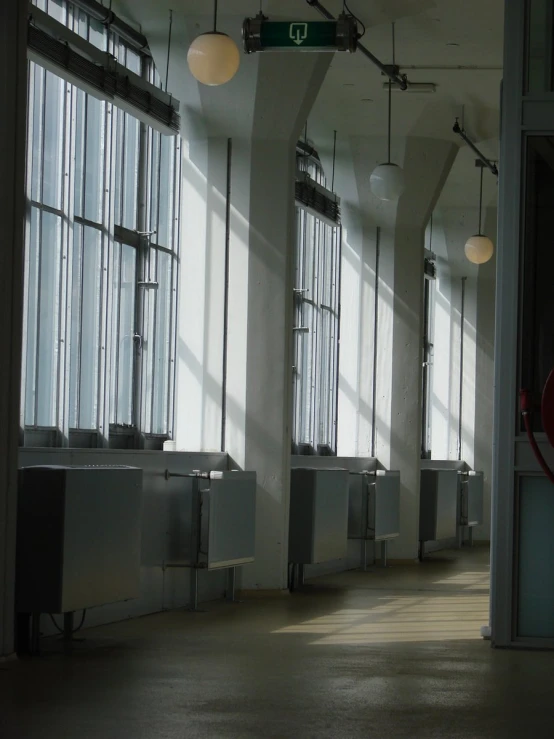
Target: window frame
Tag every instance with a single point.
(316, 329)
(145, 430)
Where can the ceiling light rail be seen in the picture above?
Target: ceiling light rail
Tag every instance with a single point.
(391, 71)
(463, 135)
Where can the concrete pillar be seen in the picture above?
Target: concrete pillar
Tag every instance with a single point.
(238, 200)
(451, 228)
(484, 374)
(13, 94)
(398, 237)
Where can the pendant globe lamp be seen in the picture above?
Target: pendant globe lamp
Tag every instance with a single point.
(387, 181)
(479, 248)
(213, 57)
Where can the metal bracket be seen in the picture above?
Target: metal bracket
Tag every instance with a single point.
(484, 162)
(148, 285)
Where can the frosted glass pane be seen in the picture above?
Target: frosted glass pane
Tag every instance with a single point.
(160, 388)
(536, 558)
(154, 177)
(54, 134)
(94, 158)
(75, 322)
(36, 95)
(165, 218)
(57, 9)
(79, 177)
(130, 144)
(31, 328)
(123, 323)
(86, 314)
(91, 312)
(48, 320)
(97, 34)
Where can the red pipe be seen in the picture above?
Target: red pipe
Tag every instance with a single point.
(525, 405)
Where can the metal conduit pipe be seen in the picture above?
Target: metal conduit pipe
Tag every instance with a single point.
(108, 18)
(487, 162)
(388, 70)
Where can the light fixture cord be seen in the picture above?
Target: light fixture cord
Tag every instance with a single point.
(390, 116)
(168, 48)
(334, 159)
(390, 95)
(215, 16)
(480, 201)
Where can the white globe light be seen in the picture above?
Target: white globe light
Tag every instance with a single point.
(479, 249)
(213, 58)
(387, 181)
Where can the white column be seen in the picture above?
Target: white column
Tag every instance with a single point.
(245, 201)
(484, 374)
(13, 93)
(451, 228)
(400, 242)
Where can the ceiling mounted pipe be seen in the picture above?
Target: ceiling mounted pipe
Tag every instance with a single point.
(389, 71)
(487, 162)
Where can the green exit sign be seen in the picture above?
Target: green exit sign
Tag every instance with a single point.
(260, 34)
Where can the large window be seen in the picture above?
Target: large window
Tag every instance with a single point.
(316, 329)
(101, 261)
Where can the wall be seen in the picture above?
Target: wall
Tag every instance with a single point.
(166, 526)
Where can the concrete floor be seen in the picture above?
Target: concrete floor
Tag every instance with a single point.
(392, 653)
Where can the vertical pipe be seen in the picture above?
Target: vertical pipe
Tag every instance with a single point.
(384, 551)
(461, 387)
(226, 295)
(338, 292)
(375, 337)
(193, 603)
(231, 583)
(140, 272)
(68, 621)
(425, 382)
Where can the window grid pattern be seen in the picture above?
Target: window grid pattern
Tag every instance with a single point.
(101, 270)
(316, 330)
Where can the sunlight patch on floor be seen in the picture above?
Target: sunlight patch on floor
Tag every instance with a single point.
(467, 580)
(400, 619)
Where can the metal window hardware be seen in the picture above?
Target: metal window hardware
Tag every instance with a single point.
(148, 284)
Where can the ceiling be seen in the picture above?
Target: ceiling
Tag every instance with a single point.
(456, 44)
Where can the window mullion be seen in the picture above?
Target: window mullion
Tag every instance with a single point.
(31, 72)
(66, 261)
(142, 223)
(337, 237)
(108, 184)
(174, 277)
(316, 331)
